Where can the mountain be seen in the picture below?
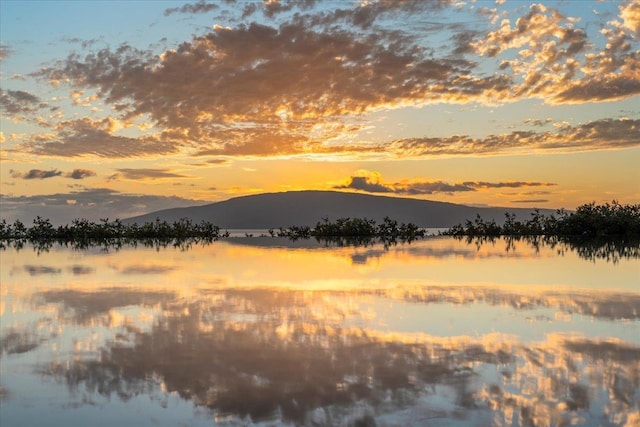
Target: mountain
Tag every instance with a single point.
(273, 210)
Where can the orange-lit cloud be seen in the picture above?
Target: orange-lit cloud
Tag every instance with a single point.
(288, 76)
(260, 89)
(87, 137)
(630, 15)
(596, 135)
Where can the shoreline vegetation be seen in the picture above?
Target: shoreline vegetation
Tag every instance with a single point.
(589, 222)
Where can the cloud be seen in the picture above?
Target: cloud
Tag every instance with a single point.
(43, 174)
(595, 135)
(87, 137)
(80, 270)
(146, 269)
(630, 14)
(14, 102)
(249, 73)
(530, 201)
(148, 173)
(80, 174)
(39, 270)
(371, 182)
(550, 59)
(217, 161)
(200, 7)
(261, 88)
(89, 203)
(538, 122)
(36, 174)
(5, 52)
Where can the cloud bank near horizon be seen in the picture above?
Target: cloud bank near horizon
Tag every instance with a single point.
(371, 182)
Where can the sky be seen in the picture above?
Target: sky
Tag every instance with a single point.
(111, 109)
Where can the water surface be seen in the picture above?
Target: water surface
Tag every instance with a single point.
(439, 332)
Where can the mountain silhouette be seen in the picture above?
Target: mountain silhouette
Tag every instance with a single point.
(273, 210)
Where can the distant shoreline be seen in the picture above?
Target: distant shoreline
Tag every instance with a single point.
(589, 220)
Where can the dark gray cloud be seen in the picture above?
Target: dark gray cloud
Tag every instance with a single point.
(373, 184)
(364, 183)
(201, 6)
(217, 161)
(14, 102)
(43, 174)
(80, 174)
(148, 173)
(36, 174)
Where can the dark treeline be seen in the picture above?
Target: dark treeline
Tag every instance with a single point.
(83, 230)
(82, 233)
(589, 220)
(353, 229)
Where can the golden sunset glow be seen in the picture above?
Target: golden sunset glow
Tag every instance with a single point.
(120, 111)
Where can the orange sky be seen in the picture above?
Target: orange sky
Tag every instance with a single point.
(112, 111)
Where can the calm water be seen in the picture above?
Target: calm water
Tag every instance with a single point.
(260, 331)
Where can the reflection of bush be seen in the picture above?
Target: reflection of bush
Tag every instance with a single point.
(590, 248)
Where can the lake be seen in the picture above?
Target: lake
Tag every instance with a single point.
(268, 332)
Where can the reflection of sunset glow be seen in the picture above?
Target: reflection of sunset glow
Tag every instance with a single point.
(436, 330)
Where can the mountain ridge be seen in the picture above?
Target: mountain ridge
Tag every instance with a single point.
(273, 210)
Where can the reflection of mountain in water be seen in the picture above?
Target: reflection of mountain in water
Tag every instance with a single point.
(286, 355)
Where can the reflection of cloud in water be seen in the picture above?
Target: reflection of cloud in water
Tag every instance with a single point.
(18, 341)
(146, 269)
(37, 270)
(85, 306)
(277, 354)
(80, 270)
(597, 304)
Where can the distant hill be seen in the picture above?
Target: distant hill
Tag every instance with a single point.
(273, 210)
